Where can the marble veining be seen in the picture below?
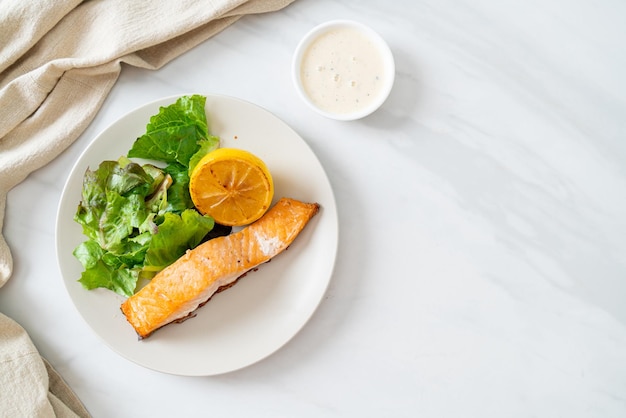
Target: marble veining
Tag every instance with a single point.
(481, 269)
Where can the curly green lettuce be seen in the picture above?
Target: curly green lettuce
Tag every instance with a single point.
(138, 219)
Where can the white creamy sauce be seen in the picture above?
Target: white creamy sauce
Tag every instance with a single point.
(342, 71)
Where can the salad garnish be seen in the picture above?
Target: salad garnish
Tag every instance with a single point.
(139, 218)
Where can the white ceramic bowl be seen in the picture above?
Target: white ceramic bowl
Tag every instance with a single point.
(388, 65)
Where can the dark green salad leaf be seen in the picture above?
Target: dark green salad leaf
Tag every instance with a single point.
(140, 218)
(176, 234)
(179, 197)
(176, 133)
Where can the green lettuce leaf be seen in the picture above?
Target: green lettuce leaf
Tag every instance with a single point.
(104, 269)
(88, 253)
(187, 111)
(120, 280)
(115, 217)
(112, 202)
(178, 194)
(175, 133)
(140, 218)
(205, 146)
(176, 235)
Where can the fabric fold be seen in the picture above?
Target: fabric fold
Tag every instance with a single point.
(24, 23)
(30, 385)
(52, 91)
(59, 59)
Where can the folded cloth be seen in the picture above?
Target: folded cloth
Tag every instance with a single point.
(30, 386)
(60, 58)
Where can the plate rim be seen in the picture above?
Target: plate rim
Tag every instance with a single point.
(329, 205)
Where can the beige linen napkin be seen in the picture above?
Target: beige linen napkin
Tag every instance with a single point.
(58, 61)
(30, 386)
(60, 58)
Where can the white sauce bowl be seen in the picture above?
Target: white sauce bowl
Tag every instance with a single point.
(343, 70)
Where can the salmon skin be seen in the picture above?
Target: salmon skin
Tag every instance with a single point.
(179, 289)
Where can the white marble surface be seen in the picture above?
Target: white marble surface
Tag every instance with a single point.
(481, 269)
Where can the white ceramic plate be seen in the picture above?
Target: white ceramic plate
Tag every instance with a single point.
(251, 320)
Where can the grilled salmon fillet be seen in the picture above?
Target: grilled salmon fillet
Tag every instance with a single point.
(179, 289)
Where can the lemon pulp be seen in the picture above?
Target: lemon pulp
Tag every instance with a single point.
(232, 185)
